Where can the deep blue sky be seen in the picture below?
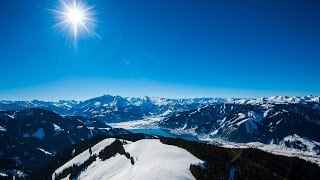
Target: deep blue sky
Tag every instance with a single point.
(167, 48)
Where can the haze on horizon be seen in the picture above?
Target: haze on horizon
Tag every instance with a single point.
(163, 48)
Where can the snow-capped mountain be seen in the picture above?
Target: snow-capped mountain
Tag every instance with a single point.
(118, 109)
(269, 120)
(61, 107)
(109, 108)
(31, 137)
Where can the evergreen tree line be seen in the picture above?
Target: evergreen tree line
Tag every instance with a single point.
(6, 165)
(46, 170)
(113, 149)
(75, 170)
(224, 163)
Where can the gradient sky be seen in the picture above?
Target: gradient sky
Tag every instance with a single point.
(166, 48)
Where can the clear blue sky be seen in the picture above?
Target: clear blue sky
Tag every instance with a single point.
(167, 48)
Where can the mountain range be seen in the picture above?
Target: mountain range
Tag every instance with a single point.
(289, 121)
(33, 132)
(109, 108)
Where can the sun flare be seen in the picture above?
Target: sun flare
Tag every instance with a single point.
(75, 18)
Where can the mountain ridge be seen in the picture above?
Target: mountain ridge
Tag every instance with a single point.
(30, 137)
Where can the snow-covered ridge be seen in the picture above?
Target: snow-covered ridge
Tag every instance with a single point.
(286, 99)
(153, 160)
(264, 100)
(82, 157)
(108, 100)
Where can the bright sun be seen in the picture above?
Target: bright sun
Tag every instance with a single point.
(75, 17)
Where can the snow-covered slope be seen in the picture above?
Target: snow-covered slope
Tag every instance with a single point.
(278, 149)
(79, 159)
(296, 142)
(153, 160)
(266, 123)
